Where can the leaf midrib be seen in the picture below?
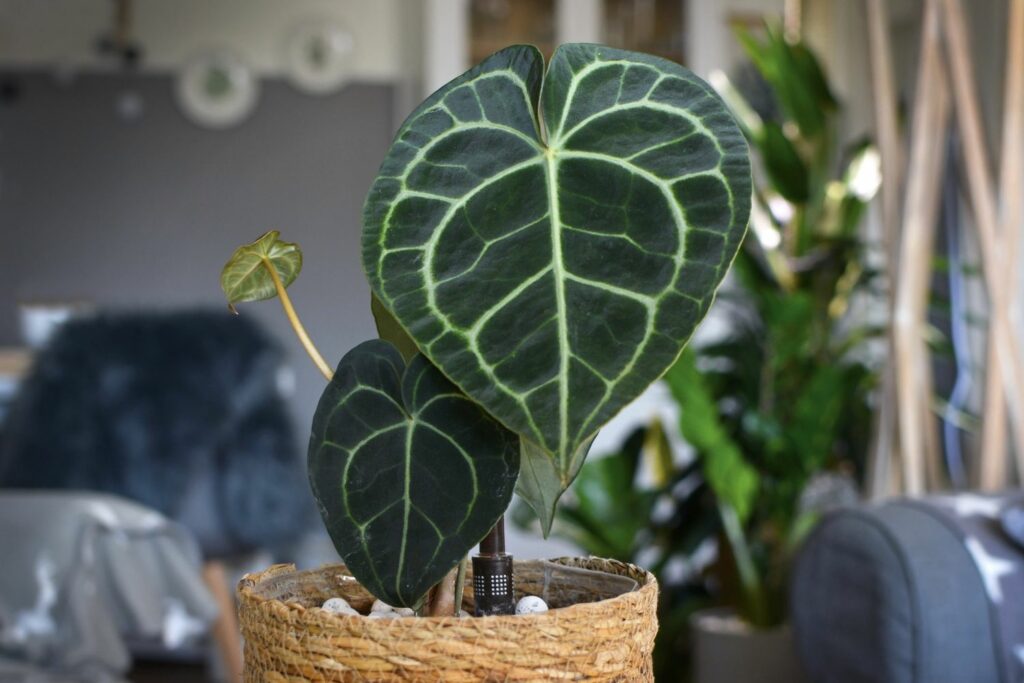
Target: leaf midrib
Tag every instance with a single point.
(551, 169)
(406, 508)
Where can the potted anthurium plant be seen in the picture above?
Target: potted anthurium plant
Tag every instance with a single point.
(541, 244)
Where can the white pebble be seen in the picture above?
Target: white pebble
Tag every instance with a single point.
(531, 604)
(380, 606)
(339, 606)
(404, 612)
(385, 615)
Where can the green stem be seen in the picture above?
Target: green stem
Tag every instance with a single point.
(766, 384)
(460, 584)
(441, 599)
(293, 318)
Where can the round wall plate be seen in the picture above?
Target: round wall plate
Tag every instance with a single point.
(217, 89)
(318, 57)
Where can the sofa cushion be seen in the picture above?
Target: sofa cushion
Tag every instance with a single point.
(892, 594)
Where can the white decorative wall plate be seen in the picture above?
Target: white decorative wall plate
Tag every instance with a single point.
(318, 57)
(217, 89)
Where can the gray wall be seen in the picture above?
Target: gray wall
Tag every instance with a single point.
(142, 214)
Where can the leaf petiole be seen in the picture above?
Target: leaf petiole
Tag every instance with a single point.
(460, 584)
(293, 318)
(441, 599)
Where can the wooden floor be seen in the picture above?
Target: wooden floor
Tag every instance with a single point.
(162, 672)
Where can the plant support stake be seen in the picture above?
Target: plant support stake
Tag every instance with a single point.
(493, 580)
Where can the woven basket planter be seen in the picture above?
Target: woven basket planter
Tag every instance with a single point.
(288, 638)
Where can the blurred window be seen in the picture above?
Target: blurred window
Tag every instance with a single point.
(495, 24)
(652, 26)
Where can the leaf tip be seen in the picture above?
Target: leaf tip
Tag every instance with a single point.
(546, 522)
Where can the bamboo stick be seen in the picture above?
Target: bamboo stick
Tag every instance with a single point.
(1006, 363)
(994, 460)
(883, 460)
(936, 477)
(921, 263)
(884, 441)
(923, 467)
(1012, 184)
(923, 179)
(992, 463)
(886, 129)
(792, 19)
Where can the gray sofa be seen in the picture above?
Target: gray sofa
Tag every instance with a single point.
(88, 579)
(923, 591)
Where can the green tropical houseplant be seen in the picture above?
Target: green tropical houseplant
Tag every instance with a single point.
(785, 395)
(541, 244)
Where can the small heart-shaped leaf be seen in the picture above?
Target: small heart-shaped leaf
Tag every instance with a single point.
(246, 275)
(409, 474)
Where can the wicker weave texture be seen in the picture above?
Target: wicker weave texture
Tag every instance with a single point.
(289, 639)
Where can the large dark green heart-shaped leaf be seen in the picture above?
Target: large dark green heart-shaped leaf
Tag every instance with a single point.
(554, 264)
(409, 474)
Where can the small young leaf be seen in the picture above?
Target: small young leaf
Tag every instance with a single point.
(246, 277)
(408, 473)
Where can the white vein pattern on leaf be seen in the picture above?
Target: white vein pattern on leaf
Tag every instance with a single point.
(429, 247)
(409, 423)
(550, 157)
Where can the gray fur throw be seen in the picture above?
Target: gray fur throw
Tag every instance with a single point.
(178, 411)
